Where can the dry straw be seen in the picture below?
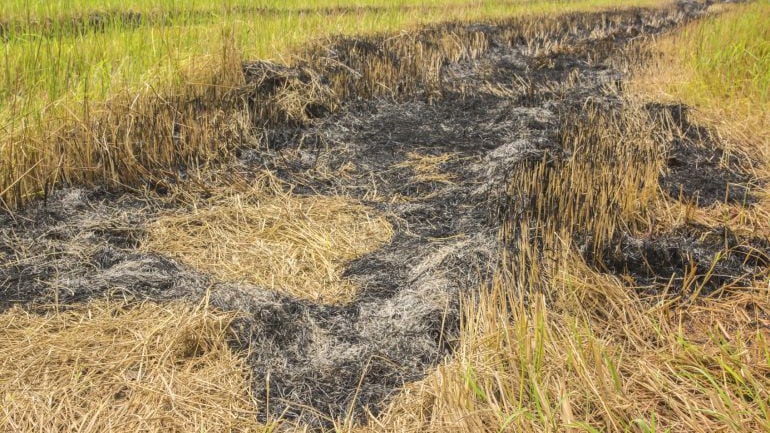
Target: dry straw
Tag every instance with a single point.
(118, 368)
(553, 345)
(428, 168)
(275, 239)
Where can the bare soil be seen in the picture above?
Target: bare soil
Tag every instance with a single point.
(488, 113)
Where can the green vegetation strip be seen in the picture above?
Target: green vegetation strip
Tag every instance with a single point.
(730, 55)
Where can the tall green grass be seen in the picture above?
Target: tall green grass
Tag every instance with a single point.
(45, 8)
(730, 55)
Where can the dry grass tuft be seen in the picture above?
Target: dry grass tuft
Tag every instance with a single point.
(427, 168)
(580, 192)
(107, 367)
(278, 240)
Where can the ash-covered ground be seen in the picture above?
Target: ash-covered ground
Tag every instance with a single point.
(474, 127)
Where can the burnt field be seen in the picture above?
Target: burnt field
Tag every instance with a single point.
(458, 155)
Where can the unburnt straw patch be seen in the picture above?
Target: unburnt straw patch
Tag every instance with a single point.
(427, 168)
(280, 241)
(111, 367)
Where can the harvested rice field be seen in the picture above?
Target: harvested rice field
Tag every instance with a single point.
(452, 216)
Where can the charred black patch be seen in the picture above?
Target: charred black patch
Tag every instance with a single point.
(698, 170)
(689, 259)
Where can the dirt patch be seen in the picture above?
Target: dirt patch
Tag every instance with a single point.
(435, 151)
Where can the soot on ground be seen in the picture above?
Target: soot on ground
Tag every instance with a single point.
(689, 260)
(698, 170)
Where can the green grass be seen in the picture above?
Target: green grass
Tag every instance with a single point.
(54, 8)
(730, 56)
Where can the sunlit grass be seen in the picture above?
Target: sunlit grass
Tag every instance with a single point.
(555, 345)
(614, 360)
(730, 56)
(42, 8)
